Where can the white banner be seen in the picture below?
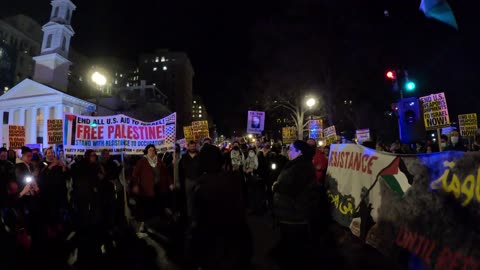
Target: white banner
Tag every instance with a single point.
(354, 170)
(256, 122)
(120, 133)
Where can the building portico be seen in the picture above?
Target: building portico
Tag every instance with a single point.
(31, 104)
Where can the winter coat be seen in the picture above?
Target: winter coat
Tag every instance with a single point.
(320, 164)
(292, 191)
(143, 176)
(53, 184)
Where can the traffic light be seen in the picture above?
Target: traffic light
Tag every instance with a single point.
(392, 75)
(410, 86)
(410, 120)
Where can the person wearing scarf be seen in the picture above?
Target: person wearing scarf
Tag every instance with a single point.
(151, 183)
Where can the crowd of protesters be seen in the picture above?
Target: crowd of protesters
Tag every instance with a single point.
(205, 193)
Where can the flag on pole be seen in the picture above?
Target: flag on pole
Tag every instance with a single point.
(439, 10)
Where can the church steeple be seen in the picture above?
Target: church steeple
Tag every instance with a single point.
(52, 65)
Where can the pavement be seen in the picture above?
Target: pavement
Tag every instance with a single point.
(336, 249)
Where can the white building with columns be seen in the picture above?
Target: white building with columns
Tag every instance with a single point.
(31, 104)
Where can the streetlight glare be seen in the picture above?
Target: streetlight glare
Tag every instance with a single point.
(311, 102)
(99, 79)
(250, 136)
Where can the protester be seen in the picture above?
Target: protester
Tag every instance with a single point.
(189, 173)
(237, 157)
(86, 181)
(111, 190)
(12, 156)
(53, 184)
(7, 174)
(26, 180)
(151, 183)
(221, 238)
(292, 205)
(255, 185)
(455, 143)
(320, 162)
(476, 144)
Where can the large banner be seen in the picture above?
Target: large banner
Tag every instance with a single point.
(289, 135)
(120, 133)
(468, 124)
(435, 111)
(255, 122)
(315, 129)
(188, 133)
(423, 208)
(200, 130)
(16, 137)
(55, 131)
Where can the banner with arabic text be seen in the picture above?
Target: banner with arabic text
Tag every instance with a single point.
(422, 208)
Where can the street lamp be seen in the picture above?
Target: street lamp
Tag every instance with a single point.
(99, 79)
(311, 102)
(250, 136)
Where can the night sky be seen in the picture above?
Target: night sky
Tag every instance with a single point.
(220, 41)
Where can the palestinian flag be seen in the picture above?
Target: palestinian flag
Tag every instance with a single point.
(439, 10)
(397, 177)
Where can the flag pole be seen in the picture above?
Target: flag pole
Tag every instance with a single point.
(125, 186)
(439, 135)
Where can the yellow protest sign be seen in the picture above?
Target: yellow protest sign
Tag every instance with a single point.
(55, 131)
(16, 137)
(435, 111)
(200, 130)
(468, 124)
(188, 133)
(289, 134)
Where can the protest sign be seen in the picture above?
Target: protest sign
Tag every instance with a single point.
(188, 133)
(200, 130)
(435, 111)
(315, 129)
(55, 131)
(363, 135)
(423, 205)
(468, 124)
(16, 136)
(255, 122)
(289, 135)
(330, 134)
(120, 133)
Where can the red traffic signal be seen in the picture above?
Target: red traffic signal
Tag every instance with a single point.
(391, 75)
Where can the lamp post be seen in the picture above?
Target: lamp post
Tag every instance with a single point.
(99, 80)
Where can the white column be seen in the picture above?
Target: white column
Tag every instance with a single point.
(59, 111)
(46, 116)
(11, 114)
(21, 117)
(32, 134)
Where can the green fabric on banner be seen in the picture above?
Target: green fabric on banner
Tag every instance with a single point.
(393, 184)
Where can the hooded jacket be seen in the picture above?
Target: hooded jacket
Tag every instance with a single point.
(291, 190)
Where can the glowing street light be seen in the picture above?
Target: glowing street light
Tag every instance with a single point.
(311, 102)
(250, 136)
(99, 79)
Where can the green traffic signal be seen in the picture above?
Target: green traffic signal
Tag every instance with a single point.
(410, 86)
